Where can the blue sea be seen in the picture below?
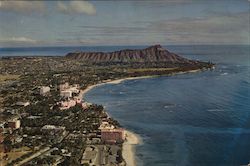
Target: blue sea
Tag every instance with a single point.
(58, 51)
(195, 119)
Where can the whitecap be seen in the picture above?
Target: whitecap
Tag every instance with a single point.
(215, 110)
(224, 74)
(169, 105)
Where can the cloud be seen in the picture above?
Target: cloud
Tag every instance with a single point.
(210, 24)
(225, 29)
(22, 6)
(215, 29)
(78, 7)
(18, 40)
(112, 30)
(23, 39)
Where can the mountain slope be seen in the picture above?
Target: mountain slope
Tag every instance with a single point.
(154, 53)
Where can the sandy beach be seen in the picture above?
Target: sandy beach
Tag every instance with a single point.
(118, 81)
(128, 148)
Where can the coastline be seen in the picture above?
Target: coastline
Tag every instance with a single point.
(117, 81)
(128, 147)
(131, 139)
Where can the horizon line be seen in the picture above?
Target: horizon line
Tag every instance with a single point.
(58, 46)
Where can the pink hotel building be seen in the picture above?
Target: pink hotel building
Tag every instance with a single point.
(112, 135)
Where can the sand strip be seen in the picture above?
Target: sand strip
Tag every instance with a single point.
(118, 81)
(128, 147)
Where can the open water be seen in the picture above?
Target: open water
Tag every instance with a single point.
(195, 119)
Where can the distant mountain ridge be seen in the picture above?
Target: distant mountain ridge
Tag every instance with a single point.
(155, 53)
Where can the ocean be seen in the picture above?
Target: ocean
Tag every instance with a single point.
(58, 51)
(195, 119)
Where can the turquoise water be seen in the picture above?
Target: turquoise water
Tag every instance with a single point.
(192, 119)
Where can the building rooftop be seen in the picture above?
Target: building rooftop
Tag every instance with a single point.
(51, 127)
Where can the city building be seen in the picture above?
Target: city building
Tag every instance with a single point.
(66, 90)
(63, 86)
(106, 125)
(89, 155)
(73, 90)
(24, 104)
(44, 90)
(67, 104)
(66, 93)
(112, 135)
(1, 138)
(53, 134)
(85, 105)
(52, 128)
(13, 122)
(78, 100)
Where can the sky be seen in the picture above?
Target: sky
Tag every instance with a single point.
(123, 22)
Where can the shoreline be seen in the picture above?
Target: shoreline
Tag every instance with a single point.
(131, 139)
(118, 81)
(128, 147)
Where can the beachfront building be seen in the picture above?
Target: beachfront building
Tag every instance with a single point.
(44, 90)
(66, 93)
(85, 105)
(74, 89)
(67, 104)
(112, 136)
(106, 125)
(78, 100)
